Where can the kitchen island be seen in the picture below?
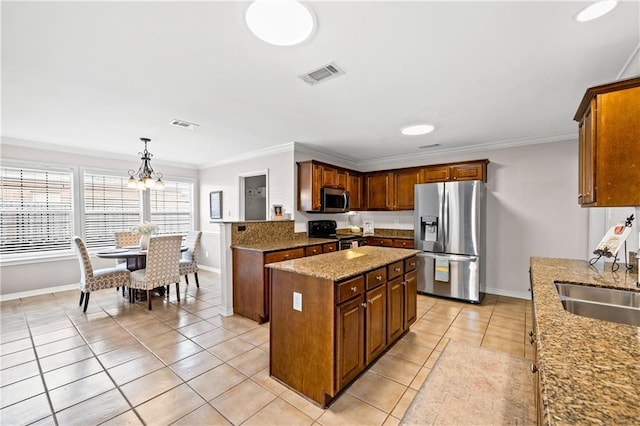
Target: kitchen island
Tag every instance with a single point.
(332, 315)
(588, 369)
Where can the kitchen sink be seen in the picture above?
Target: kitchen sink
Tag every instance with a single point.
(601, 303)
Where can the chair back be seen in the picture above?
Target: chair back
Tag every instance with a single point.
(86, 267)
(127, 238)
(192, 241)
(163, 258)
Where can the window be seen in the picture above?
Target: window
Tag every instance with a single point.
(36, 209)
(109, 206)
(172, 208)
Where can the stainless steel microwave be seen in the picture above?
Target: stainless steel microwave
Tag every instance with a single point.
(334, 200)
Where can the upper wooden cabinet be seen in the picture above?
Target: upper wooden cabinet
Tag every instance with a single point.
(609, 133)
(469, 170)
(312, 177)
(354, 187)
(392, 190)
(403, 192)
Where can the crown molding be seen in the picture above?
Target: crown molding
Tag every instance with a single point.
(277, 149)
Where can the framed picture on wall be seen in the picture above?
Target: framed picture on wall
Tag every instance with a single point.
(215, 204)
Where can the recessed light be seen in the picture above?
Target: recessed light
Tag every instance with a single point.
(281, 22)
(418, 129)
(596, 10)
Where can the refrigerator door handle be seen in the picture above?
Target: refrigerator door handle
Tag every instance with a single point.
(450, 258)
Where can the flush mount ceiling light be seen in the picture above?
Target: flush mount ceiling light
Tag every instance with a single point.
(419, 129)
(596, 10)
(280, 22)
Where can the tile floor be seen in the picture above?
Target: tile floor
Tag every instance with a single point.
(183, 363)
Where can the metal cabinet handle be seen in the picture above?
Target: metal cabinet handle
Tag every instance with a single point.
(404, 283)
(364, 305)
(531, 333)
(533, 368)
(354, 289)
(532, 340)
(397, 269)
(379, 278)
(369, 301)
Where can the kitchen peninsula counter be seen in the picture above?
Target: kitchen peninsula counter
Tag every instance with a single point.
(334, 314)
(589, 369)
(285, 244)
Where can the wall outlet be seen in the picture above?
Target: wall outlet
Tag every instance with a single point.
(297, 301)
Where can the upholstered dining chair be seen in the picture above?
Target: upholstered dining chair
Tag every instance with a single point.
(98, 279)
(126, 238)
(189, 261)
(163, 266)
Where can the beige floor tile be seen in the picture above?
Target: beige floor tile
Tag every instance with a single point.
(163, 340)
(433, 358)
(391, 421)
(19, 372)
(96, 410)
(422, 338)
(504, 345)
(262, 378)
(394, 368)
(121, 355)
(349, 410)
(216, 381)
(242, 401)
(237, 324)
(119, 341)
(258, 336)
(131, 370)
(17, 358)
(214, 337)
(26, 411)
(431, 325)
(513, 334)
(80, 390)
(150, 386)
(20, 391)
(377, 390)
(207, 313)
(10, 336)
(59, 346)
(231, 348)
(170, 406)
(471, 324)
(410, 351)
(302, 404)
(205, 415)
(15, 346)
(128, 418)
(420, 378)
(279, 412)
(464, 335)
(174, 353)
(196, 328)
(251, 362)
(404, 403)
(71, 373)
(46, 328)
(194, 365)
(442, 344)
(182, 321)
(446, 310)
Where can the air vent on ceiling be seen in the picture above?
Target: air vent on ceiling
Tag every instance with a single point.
(324, 73)
(433, 145)
(184, 124)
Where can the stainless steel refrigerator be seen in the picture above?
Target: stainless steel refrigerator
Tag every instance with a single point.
(450, 232)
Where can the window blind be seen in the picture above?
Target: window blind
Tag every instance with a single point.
(109, 206)
(36, 209)
(172, 208)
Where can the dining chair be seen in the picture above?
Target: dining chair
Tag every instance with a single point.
(162, 268)
(189, 261)
(125, 239)
(98, 279)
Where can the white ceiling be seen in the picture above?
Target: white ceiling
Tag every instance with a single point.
(99, 75)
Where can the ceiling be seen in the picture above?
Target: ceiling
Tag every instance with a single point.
(97, 76)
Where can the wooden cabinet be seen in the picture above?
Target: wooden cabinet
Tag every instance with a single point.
(340, 329)
(251, 280)
(402, 243)
(390, 242)
(320, 249)
(403, 188)
(312, 177)
(608, 132)
(410, 303)
(470, 170)
(329, 247)
(354, 187)
(378, 188)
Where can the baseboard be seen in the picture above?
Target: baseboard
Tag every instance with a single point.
(210, 269)
(39, 292)
(509, 293)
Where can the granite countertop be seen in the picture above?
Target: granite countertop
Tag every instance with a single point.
(340, 265)
(589, 369)
(294, 242)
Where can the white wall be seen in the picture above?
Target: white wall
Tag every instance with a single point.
(19, 277)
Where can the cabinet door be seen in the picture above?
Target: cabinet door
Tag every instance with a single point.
(435, 174)
(395, 309)
(313, 250)
(379, 189)
(350, 359)
(410, 298)
(282, 255)
(376, 322)
(341, 179)
(383, 242)
(403, 182)
(586, 156)
(354, 186)
(329, 247)
(468, 172)
(408, 244)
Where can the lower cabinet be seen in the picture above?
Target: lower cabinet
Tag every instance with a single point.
(339, 329)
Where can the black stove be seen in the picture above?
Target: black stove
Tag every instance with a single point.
(327, 229)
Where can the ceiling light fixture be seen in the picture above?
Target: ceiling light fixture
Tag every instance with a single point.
(280, 22)
(418, 129)
(147, 178)
(596, 10)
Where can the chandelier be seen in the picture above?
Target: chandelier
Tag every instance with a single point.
(145, 177)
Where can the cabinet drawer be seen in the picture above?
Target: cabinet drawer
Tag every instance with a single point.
(408, 244)
(376, 277)
(384, 242)
(313, 250)
(350, 288)
(279, 256)
(394, 270)
(410, 264)
(329, 248)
